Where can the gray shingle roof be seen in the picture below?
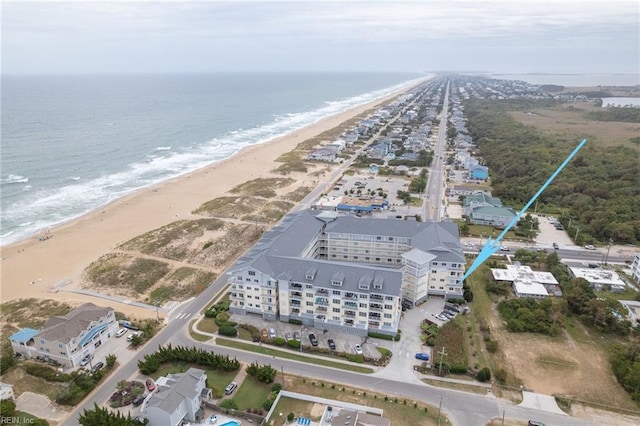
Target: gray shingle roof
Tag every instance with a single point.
(180, 386)
(66, 327)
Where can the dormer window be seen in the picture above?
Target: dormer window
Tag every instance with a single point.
(311, 273)
(337, 279)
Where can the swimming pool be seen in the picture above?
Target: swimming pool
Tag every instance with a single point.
(230, 423)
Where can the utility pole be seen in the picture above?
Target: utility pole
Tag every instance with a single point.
(442, 354)
(608, 248)
(282, 371)
(577, 232)
(439, 408)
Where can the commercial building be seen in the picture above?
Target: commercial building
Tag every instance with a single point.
(346, 273)
(599, 279)
(67, 339)
(527, 282)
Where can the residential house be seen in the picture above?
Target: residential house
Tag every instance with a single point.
(499, 217)
(327, 154)
(599, 279)
(479, 173)
(67, 339)
(479, 199)
(178, 398)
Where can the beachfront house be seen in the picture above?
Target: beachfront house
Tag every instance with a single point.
(346, 273)
(327, 154)
(178, 398)
(67, 339)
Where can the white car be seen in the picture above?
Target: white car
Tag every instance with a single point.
(358, 350)
(590, 247)
(121, 332)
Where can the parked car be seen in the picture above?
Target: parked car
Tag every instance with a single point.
(422, 356)
(121, 332)
(151, 385)
(138, 400)
(590, 247)
(313, 340)
(535, 423)
(442, 317)
(272, 333)
(449, 314)
(556, 246)
(296, 335)
(97, 366)
(287, 336)
(331, 344)
(87, 358)
(230, 388)
(505, 248)
(130, 336)
(358, 349)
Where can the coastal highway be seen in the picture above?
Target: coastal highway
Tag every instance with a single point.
(461, 407)
(434, 188)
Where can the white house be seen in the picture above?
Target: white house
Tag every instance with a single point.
(68, 338)
(178, 398)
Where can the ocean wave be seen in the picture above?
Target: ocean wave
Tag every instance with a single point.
(76, 178)
(46, 208)
(16, 179)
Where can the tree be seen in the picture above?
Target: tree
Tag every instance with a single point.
(104, 417)
(7, 408)
(484, 375)
(111, 360)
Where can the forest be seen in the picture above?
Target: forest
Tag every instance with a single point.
(599, 189)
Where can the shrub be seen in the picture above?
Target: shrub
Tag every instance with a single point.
(152, 362)
(295, 344)
(355, 358)
(46, 373)
(277, 387)
(290, 416)
(279, 341)
(484, 375)
(227, 330)
(295, 321)
(230, 404)
(264, 373)
(501, 376)
(492, 346)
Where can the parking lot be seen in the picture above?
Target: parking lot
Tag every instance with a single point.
(387, 184)
(119, 346)
(344, 342)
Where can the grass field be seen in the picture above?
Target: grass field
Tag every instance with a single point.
(32, 312)
(569, 119)
(292, 355)
(252, 393)
(262, 187)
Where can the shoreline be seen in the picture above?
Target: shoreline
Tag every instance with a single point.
(30, 268)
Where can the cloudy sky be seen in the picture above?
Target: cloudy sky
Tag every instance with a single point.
(560, 36)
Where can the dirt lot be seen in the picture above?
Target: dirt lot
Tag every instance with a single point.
(563, 365)
(568, 119)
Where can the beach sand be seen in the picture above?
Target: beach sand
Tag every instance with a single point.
(32, 268)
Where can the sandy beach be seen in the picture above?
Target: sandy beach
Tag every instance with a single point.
(32, 268)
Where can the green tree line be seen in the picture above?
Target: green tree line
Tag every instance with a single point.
(599, 190)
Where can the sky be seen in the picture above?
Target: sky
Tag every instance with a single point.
(508, 36)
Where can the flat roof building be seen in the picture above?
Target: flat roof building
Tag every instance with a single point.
(527, 282)
(600, 279)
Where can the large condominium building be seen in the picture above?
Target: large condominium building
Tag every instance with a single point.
(346, 273)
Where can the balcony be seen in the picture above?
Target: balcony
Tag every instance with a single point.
(374, 316)
(295, 302)
(374, 324)
(375, 307)
(351, 305)
(321, 309)
(349, 313)
(322, 292)
(295, 310)
(376, 297)
(297, 294)
(350, 296)
(348, 322)
(296, 286)
(322, 301)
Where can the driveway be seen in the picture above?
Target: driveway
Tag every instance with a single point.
(403, 360)
(39, 406)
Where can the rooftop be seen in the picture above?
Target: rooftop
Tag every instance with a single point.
(66, 327)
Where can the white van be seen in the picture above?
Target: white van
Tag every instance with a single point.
(121, 332)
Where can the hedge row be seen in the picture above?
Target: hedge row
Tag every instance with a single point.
(152, 362)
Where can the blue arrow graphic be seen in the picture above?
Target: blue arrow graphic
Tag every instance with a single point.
(492, 246)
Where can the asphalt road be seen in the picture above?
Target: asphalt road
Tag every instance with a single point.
(434, 189)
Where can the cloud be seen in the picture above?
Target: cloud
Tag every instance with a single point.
(331, 29)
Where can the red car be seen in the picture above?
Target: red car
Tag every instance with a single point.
(150, 384)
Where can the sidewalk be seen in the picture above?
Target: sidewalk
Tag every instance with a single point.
(278, 348)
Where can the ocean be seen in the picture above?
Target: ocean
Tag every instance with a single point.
(71, 144)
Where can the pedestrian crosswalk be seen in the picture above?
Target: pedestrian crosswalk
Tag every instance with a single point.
(184, 315)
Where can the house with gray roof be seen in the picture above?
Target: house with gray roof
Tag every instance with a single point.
(493, 216)
(67, 338)
(178, 398)
(346, 273)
